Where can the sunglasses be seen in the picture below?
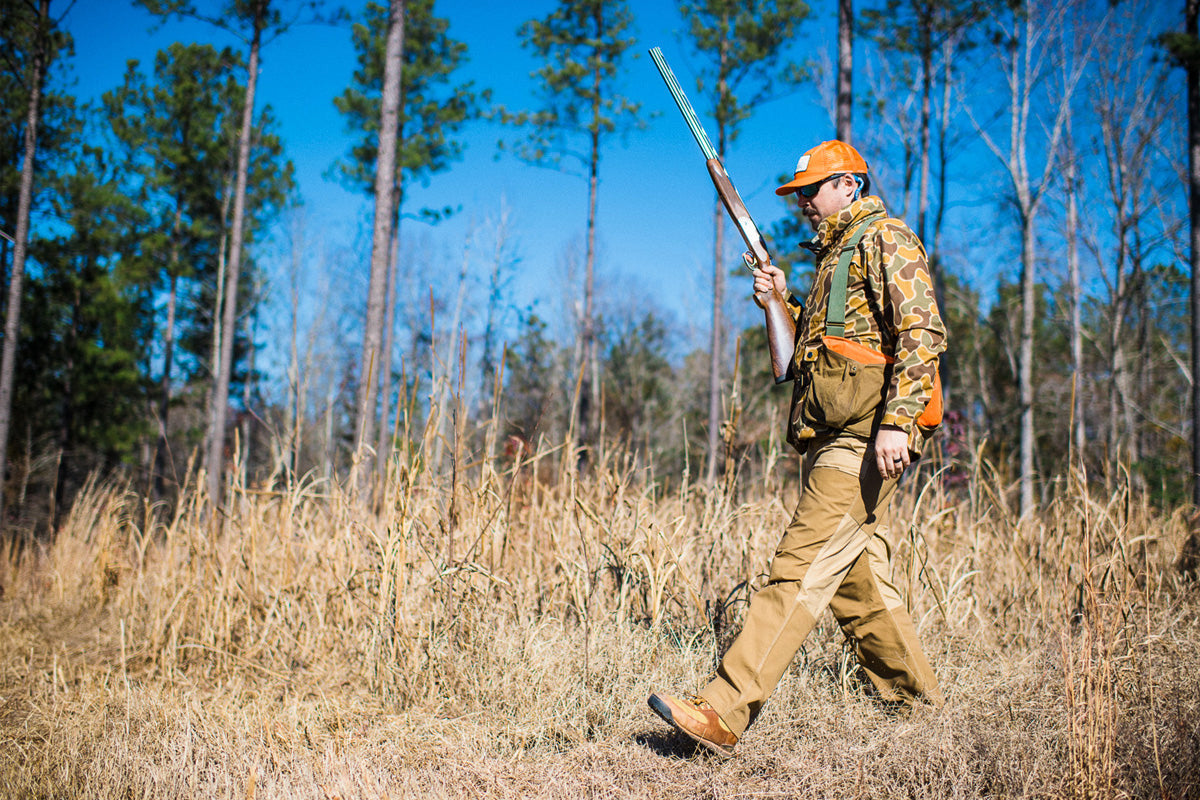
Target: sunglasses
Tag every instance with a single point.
(811, 189)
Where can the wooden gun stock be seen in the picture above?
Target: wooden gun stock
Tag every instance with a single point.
(781, 329)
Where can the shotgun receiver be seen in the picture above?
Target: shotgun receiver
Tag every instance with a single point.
(781, 330)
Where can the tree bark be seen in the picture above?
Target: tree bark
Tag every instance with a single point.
(1192, 13)
(589, 388)
(718, 304)
(162, 446)
(12, 320)
(1070, 172)
(220, 397)
(385, 176)
(845, 70)
(926, 46)
(383, 444)
(1025, 369)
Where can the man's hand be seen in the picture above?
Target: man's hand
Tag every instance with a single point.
(765, 277)
(891, 451)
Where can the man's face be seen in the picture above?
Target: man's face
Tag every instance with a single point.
(832, 196)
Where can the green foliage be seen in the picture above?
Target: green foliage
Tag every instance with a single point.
(19, 39)
(433, 108)
(743, 45)
(1183, 49)
(584, 44)
(531, 373)
(179, 133)
(235, 16)
(916, 27)
(176, 132)
(639, 384)
(86, 321)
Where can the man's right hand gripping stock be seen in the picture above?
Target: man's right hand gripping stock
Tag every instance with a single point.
(765, 278)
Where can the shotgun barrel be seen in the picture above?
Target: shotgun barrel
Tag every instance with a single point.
(781, 329)
(685, 107)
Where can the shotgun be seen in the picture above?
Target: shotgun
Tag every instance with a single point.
(781, 329)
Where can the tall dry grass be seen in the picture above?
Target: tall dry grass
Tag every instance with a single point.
(494, 632)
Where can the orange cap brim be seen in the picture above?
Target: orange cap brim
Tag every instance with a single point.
(791, 187)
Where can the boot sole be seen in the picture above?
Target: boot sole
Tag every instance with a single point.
(663, 710)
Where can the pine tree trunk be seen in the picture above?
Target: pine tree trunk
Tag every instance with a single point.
(220, 397)
(715, 343)
(926, 113)
(162, 448)
(12, 320)
(947, 362)
(1193, 114)
(845, 70)
(382, 447)
(589, 389)
(718, 304)
(385, 175)
(247, 426)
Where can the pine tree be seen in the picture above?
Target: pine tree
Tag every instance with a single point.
(583, 44)
(32, 42)
(86, 332)
(430, 110)
(255, 22)
(177, 132)
(742, 45)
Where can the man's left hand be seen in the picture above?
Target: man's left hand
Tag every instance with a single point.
(891, 451)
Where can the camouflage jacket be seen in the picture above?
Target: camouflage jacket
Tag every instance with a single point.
(890, 304)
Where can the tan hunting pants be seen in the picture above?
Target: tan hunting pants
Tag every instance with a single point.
(832, 554)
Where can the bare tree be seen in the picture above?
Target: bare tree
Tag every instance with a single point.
(504, 260)
(1130, 109)
(1189, 53)
(1027, 38)
(1193, 115)
(445, 366)
(1071, 181)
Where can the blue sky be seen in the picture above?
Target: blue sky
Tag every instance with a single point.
(654, 215)
(655, 203)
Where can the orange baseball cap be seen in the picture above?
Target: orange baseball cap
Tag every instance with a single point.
(827, 158)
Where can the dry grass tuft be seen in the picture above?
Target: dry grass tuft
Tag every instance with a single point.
(497, 637)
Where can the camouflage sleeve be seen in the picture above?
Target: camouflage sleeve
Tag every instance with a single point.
(795, 306)
(911, 315)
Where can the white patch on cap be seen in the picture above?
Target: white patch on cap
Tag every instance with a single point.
(802, 164)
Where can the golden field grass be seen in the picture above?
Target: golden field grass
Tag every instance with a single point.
(489, 634)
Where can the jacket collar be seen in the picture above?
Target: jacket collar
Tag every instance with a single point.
(833, 227)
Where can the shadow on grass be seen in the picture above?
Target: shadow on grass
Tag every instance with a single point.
(670, 744)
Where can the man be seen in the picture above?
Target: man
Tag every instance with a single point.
(866, 397)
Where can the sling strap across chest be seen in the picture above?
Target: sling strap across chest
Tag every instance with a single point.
(835, 313)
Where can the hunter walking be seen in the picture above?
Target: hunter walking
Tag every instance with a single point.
(866, 397)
